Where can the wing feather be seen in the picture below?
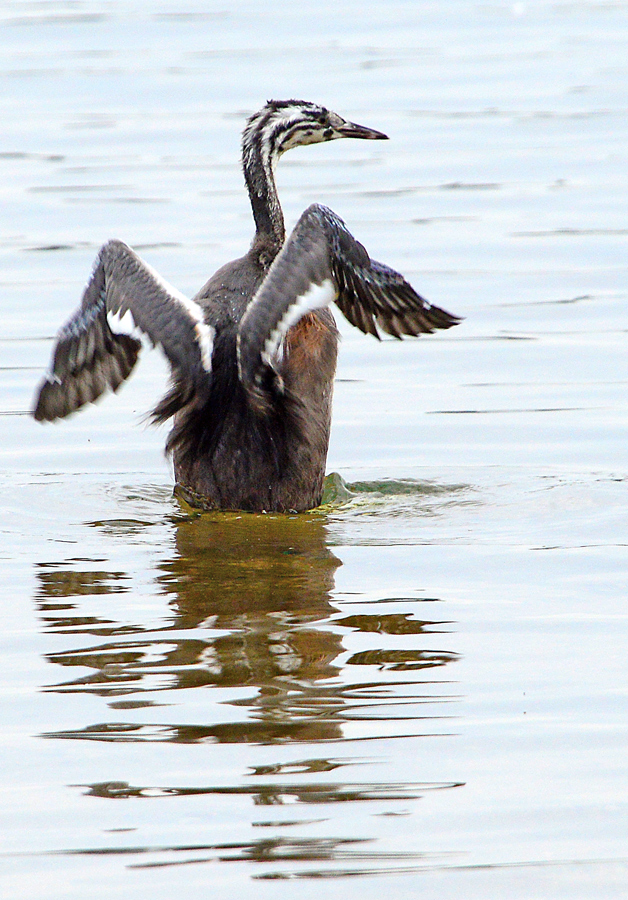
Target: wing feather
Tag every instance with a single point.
(321, 262)
(90, 357)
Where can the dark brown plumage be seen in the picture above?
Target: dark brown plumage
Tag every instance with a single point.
(253, 354)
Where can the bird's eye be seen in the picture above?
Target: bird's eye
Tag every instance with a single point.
(322, 120)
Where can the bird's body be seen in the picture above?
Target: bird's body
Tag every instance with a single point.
(253, 354)
(225, 453)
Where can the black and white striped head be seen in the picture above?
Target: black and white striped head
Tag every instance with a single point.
(283, 124)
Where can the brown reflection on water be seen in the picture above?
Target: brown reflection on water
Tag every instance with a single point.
(248, 605)
(243, 592)
(277, 794)
(264, 580)
(359, 853)
(246, 611)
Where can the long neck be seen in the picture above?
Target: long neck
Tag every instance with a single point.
(257, 162)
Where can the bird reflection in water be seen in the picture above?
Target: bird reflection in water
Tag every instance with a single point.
(244, 592)
(264, 580)
(250, 614)
(250, 604)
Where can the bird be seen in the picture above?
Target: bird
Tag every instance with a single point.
(253, 354)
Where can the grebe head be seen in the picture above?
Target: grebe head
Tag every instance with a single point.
(284, 124)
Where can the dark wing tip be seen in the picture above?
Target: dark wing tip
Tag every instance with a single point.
(89, 358)
(442, 319)
(371, 295)
(58, 397)
(376, 297)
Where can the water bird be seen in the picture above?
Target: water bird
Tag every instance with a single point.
(253, 354)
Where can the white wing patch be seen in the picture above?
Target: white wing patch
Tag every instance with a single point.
(124, 323)
(317, 296)
(205, 337)
(204, 332)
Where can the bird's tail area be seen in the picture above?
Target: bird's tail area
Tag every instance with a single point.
(203, 424)
(186, 403)
(177, 398)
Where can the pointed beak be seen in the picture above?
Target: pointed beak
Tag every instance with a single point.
(351, 130)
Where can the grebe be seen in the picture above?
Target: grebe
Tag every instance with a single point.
(253, 354)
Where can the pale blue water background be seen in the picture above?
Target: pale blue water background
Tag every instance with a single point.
(423, 687)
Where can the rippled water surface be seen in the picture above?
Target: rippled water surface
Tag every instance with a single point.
(423, 683)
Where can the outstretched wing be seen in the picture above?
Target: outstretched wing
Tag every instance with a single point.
(90, 358)
(320, 263)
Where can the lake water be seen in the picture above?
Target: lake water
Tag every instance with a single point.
(421, 688)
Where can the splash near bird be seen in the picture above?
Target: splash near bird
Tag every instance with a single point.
(253, 354)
